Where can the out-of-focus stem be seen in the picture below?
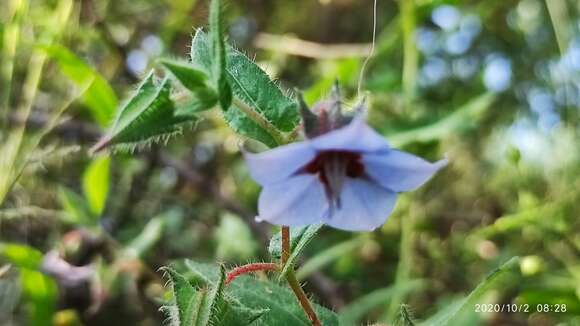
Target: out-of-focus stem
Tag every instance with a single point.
(293, 281)
(16, 9)
(410, 54)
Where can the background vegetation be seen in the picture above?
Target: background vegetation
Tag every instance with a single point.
(494, 85)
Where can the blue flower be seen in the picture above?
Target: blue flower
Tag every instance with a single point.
(344, 174)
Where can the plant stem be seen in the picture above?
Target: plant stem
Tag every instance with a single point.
(249, 268)
(302, 297)
(261, 121)
(410, 54)
(293, 281)
(285, 245)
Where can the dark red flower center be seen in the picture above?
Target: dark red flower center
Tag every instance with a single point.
(353, 166)
(332, 168)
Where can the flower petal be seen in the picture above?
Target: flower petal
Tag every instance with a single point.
(357, 136)
(279, 163)
(364, 206)
(297, 201)
(399, 171)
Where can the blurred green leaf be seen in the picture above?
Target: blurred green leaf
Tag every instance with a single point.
(251, 86)
(327, 256)
(356, 310)
(517, 221)
(149, 236)
(232, 227)
(21, 256)
(280, 304)
(148, 116)
(493, 280)
(75, 207)
(96, 184)
(40, 295)
(99, 97)
(461, 119)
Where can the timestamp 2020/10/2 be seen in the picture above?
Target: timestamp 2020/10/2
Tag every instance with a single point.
(512, 307)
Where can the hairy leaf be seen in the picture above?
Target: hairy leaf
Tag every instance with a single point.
(218, 50)
(252, 86)
(206, 304)
(149, 114)
(195, 81)
(280, 303)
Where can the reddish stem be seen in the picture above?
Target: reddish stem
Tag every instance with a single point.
(249, 268)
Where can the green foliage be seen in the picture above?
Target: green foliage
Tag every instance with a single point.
(76, 208)
(99, 97)
(205, 305)
(195, 81)
(327, 256)
(493, 280)
(147, 239)
(21, 256)
(356, 310)
(260, 102)
(459, 120)
(39, 291)
(149, 115)
(218, 50)
(232, 227)
(278, 304)
(96, 184)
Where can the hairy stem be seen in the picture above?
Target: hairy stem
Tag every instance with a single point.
(293, 281)
(285, 245)
(249, 268)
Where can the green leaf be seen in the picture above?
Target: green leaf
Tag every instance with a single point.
(356, 310)
(218, 50)
(232, 227)
(299, 238)
(461, 119)
(280, 303)
(252, 86)
(493, 280)
(75, 207)
(96, 184)
(21, 256)
(207, 305)
(149, 115)
(211, 311)
(99, 97)
(327, 256)
(40, 294)
(151, 234)
(194, 80)
(184, 295)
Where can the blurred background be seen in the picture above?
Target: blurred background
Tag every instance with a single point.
(493, 85)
